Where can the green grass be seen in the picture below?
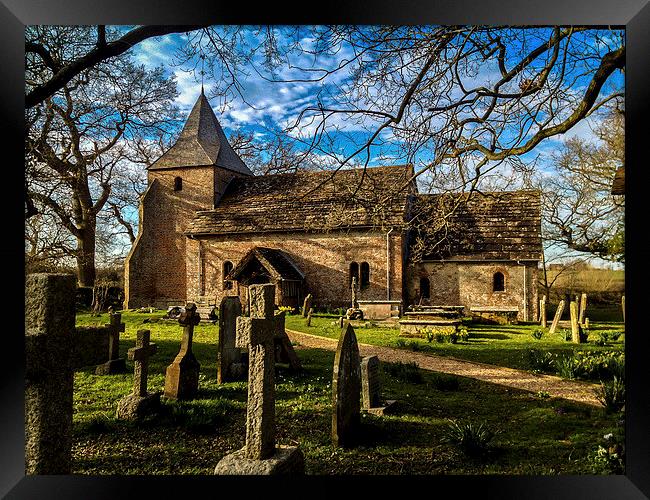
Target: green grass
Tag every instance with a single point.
(503, 345)
(536, 435)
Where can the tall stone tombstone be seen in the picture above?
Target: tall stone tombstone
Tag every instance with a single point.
(182, 376)
(140, 402)
(346, 389)
(583, 308)
(306, 306)
(49, 328)
(115, 364)
(575, 325)
(260, 455)
(542, 311)
(558, 315)
(228, 355)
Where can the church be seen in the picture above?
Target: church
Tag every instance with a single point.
(210, 228)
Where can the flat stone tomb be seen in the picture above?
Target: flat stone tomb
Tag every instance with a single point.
(140, 403)
(115, 364)
(346, 389)
(182, 376)
(260, 455)
(371, 387)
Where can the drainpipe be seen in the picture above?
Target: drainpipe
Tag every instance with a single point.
(388, 263)
(525, 293)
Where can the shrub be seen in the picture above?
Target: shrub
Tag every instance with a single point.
(473, 438)
(540, 361)
(537, 334)
(444, 382)
(442, 335)
(287, 309)
(566, 334)
(400, 343)
(566, 367)
(609, 457)
(603, 338)
(600, 365)
(463, 333)
(407, 372)
(583, 333)
(414, 346)
(612, 394)
(543, 395)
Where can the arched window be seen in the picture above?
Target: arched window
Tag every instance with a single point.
(364, 277)
(178, 184)
(227, 267)
(498, 282)
(425, 287)
(354, 272)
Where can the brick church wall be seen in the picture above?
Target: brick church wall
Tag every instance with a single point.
(155, 268)
(470, 284)
(324, 259)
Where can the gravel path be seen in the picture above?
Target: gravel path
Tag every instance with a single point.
(581, 392)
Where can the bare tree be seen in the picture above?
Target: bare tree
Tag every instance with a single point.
(77, 143)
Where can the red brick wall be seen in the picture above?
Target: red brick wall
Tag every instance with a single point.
(470, 284)
(155, 270)
(323, 258)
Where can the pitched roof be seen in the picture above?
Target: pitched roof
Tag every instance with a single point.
(491, 226)
(201, 142)
(618, 185)
(309, 201)
(276, 262)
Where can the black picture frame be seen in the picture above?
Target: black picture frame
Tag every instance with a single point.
(634, 15)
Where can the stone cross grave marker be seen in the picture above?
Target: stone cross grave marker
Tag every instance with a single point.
(140, 402)
(371, 387)
(346, 389)
(54, 349)
(257, 333)
(182, 376)
(583, 308)
(115, 364)
(558, 315)
(306, 306)
(575, 326)
(229, 363)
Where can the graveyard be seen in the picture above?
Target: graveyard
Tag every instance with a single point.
(533, 433)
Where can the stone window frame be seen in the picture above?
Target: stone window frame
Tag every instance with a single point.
(504, 275)
(227, 284)
(364, 283)
(178, 183)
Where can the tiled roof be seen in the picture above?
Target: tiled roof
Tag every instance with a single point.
(309, 201)
(201, 142)
(499, 226)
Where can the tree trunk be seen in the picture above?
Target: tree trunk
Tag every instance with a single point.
(86, 255)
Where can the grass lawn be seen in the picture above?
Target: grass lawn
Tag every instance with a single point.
(503, 345)
(536, 435)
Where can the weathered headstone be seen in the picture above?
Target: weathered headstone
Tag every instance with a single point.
(346, 389)
(583, 308)
(229, 363)
(371, 387)
(182, 376)
(306, 306)
(341, 320)
(309, 314)
(587, 323)
(140, 402)
(260, 455)
(575, 326)
(284, 351)
(542, 311)
(623, 307)
(115, 364)
(558, 315)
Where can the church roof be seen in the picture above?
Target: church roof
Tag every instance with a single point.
(274, 261)
(490, 226)
(309, 201)
(201, 142)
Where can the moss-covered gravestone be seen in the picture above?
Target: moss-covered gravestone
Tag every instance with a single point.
(346, 389)
(182, 376)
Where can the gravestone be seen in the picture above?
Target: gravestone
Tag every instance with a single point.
(346, 389)
(115, 364)
(542, 312)
(306, 306)
(260, 455)
(575, 326)
(558, 315)
(140, 402)
(371, 387)
(583, 308)
(309, 314)
(229, 362)
(623, 307)
(182, 376)
(340, 322)
(54, 348)
(284, 351)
